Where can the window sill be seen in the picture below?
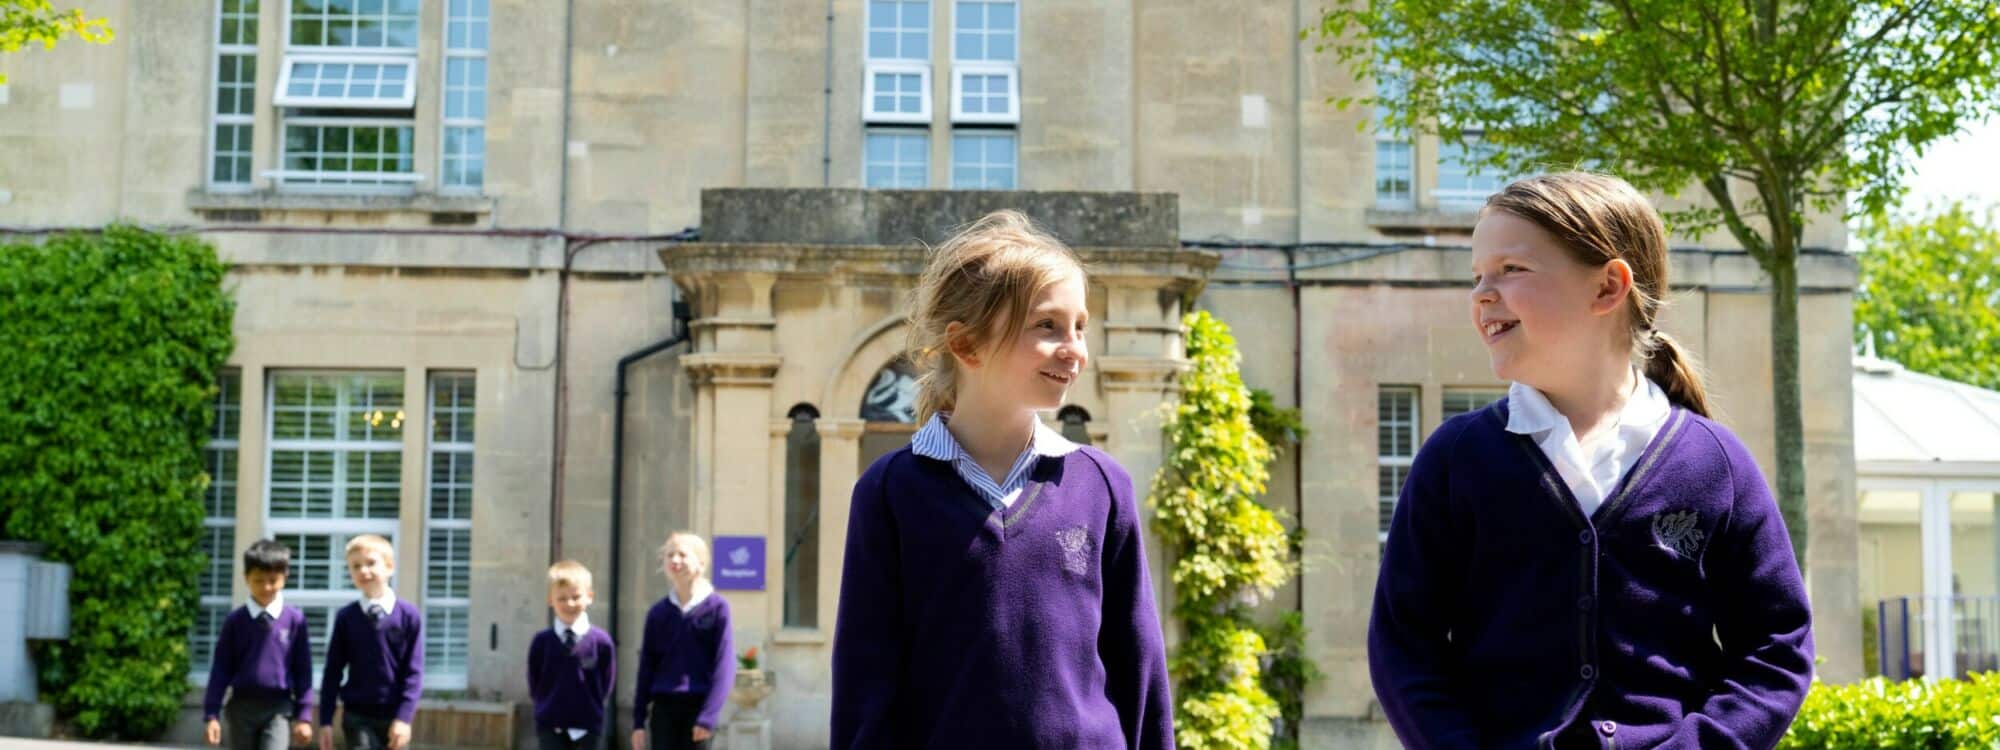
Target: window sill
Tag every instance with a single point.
(799, 636)
(205, 201)
(1422, 218)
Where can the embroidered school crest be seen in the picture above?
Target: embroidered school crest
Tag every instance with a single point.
(1676, 532)
(1075, 542)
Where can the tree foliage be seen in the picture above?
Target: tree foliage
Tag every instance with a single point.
(1930, 294)
(113, 343)
(24, 22)
(1767, 107)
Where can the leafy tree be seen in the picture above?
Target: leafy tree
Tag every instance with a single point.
(1768, 107)
(1930, 294)
(28, 21)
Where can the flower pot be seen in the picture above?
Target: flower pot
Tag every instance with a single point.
(752, 687)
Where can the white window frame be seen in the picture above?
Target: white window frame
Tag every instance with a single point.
(1013, 74)
(896, 67)
(923, 133)
(1408, 200)
(1472, 195)
(334, 597)
(417, 36)
(408, 100)
(216, 118)
(445, 121)
(959, 5)
(985, 133)
(198, 674)
(868, 52)
(433, 447)
(375, 182)
(1382, 460)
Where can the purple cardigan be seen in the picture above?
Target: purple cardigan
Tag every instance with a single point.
(961, 626)
(1504, 618)
(686, 653)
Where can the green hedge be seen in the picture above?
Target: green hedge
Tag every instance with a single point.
(1882, 715)
(111, 346)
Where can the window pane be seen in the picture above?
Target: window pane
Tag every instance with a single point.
(801, 523)
(201, 642)
(1458, 401)
(881, 148)
(445, 629)
(451, 485)
(319, 562)
(1390, 485)
(448, 567)
(218, 544)
(221, 495)
(373, 483)
(1000, 47)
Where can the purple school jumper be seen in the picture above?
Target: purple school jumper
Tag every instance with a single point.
(1506, 619)
(963, 626)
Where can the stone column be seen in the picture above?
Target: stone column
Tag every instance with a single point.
(839, 467)
(1140, 372)
(732, 367)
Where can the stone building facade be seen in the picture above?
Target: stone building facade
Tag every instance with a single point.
(449, 221)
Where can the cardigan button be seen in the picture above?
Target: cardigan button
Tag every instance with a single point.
(1583, 536)
(1587, 671)
(1609, 728)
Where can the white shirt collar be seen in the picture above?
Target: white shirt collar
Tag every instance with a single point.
(581, 627)
(387, 602)
(277, 608)
(935, 441)
(702, 589)
(1530, 413)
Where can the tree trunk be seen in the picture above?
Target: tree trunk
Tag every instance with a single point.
(1787, 403)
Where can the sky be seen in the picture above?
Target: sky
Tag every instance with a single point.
(1965, 168)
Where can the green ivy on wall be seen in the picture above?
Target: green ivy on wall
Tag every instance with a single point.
(1229, 551)
(109, 348)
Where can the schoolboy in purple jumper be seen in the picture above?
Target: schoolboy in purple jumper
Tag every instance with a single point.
(995, 592)
(374, 658)
(1591, 562)
(571, 666)
(263, 658)
(686, 667)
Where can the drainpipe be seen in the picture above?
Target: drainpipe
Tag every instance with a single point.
(682, 315)
(826, 127)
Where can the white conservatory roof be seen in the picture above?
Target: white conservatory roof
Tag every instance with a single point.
(1910, 423)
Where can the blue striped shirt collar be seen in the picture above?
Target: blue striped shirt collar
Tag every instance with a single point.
(934, 441)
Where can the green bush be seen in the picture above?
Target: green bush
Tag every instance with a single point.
(1913, 715)
(1229, 552)
(111, 346)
